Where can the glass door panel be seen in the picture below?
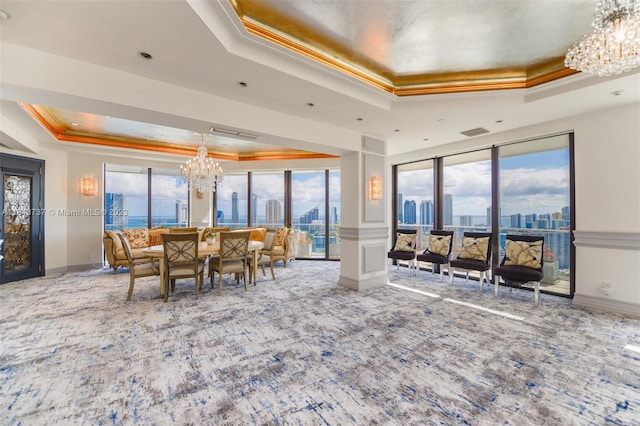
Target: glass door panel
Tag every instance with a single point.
(535, 200)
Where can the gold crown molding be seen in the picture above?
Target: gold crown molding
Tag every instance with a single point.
(60, 131)
(317, 56)
(334, 56)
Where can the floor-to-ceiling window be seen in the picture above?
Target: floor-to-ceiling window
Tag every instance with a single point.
(308, 202)
(267, 199)
(535, 200)
(126, 192)
(531, 193)
(231, 201)
(141, 197)
(466, 199)
(334, 214)
(415, 200)
(169, 199)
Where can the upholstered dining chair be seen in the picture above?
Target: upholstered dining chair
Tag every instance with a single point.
(404, 247)
(138, 267)
(523, 262)
(438, 252)
(475, 255)
(181, 260)
(263, 254)
(232, 258)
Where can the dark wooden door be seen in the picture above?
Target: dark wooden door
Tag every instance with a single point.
(22, 225)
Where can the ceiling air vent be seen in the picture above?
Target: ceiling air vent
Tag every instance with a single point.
(475, 132)
(233, 133)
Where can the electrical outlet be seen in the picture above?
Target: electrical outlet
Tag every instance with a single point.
(606, 289)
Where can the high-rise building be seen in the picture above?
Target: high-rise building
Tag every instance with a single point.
(516, 220)
(566, 215)
(273, 212)
(334, 215)
(466, 220)
(182, 212)
(254, 209)
(530, 220)
(426, 212)
(447, 210)
(400, 206)
(409, 212)
(234, 208)
(310, 216)
(115, 203)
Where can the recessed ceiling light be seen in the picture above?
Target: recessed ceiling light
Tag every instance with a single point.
(242, 84)
(425, 139)
(309, 104)
(4, 15)
(145, 55)
(498, 121)
(107, 117)
(396, 130)
(617, 93)
(359, 118)
(74, 123)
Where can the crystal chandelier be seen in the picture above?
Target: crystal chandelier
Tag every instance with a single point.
(614, 46)
(201, 172)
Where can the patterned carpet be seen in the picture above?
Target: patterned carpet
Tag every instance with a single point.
(301, 351)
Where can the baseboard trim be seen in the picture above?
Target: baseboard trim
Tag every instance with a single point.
(363, 284)
(597, 303)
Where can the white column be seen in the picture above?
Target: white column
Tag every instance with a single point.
(363, 225)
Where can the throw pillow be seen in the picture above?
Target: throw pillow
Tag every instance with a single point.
(257, 234)
(138, 238)
(280, 234)
(405, 242)
(474, 248)
(155, 236)
(523, 253)
(439, 244)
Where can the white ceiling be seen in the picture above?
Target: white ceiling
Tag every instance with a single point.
(200, 47)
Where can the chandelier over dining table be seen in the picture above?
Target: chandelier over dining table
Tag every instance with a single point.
(202, 173)
(614, 45)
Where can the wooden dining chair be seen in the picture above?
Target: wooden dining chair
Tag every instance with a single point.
(232, 258)
(139, 266)
(182, 261)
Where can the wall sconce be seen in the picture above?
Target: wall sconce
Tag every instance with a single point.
(375, 188)
(88, 186)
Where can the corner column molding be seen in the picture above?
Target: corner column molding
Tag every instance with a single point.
(613, 240)
(364, 231)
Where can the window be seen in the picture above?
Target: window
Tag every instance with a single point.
(126, 190)
(169, 199)
(533, 195)
(267, 199)
(334, 214)
(308, 202)
(415, 200)
(466, 201)
(231, 201)
(535, 200)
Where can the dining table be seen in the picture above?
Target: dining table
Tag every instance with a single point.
(204, 250)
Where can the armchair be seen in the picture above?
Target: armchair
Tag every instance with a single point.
(475, 255)
(523, 262)
(438, 252)
(404, 247)
(138, 267)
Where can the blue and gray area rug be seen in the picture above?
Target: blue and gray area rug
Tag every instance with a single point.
(301, 351)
